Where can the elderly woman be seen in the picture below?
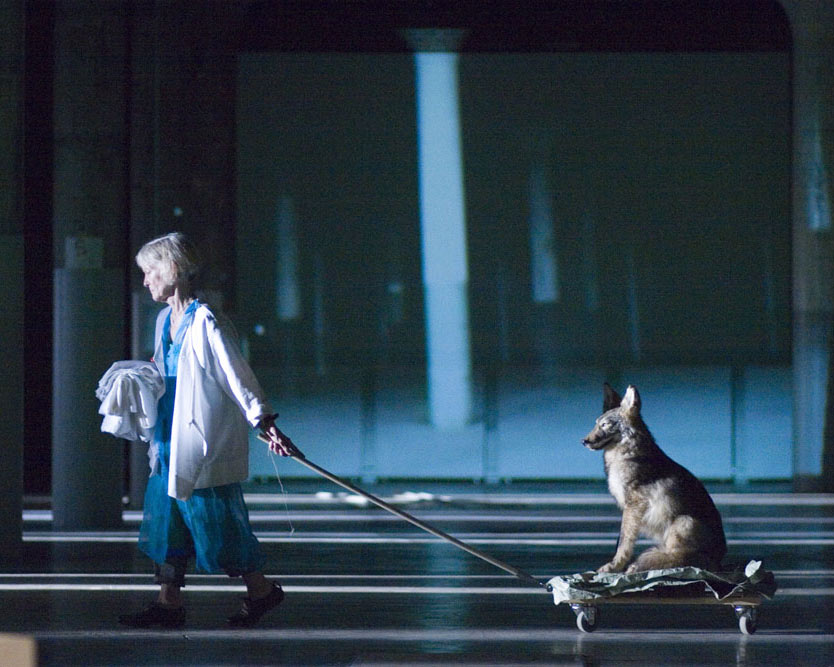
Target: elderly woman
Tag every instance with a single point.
(200, 452)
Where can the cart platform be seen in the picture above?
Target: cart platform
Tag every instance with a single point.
(744, 590)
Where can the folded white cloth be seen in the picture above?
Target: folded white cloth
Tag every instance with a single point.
(129, 393)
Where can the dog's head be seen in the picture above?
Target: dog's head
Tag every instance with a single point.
(617, 421)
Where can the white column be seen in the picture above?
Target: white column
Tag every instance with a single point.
(443, 231)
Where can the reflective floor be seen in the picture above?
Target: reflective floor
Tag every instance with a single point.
(366, 588)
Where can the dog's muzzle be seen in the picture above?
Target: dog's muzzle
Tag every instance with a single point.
(597, 444)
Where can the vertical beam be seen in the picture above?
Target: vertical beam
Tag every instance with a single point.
(11, 118)
(544, 271)
(812, 23)
(590, 271)
(287, 291)
(319, 315)
(11, 394)
(288, 301)
(443, 235)
(633, 303)
(11, 276)
(87, 465)
(90, 210)
(144, 156)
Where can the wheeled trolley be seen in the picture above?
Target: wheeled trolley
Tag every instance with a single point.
(743, 591)
(746, 608)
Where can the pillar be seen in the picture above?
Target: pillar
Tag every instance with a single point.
(812, 24)
(544, 270)
(11, 277)
(145, 200)
(443, 229)
(90, 222)
(287, 289)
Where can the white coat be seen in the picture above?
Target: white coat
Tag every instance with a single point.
(216, 394)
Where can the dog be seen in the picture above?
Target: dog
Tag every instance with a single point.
(659, 498)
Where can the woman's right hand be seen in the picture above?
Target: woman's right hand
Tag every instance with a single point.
(279, 443)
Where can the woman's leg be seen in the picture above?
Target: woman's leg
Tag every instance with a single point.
(257, 585)
(171, 578)
(263, 596)
(169, 596)
(167, 611)
(218, 523)
(163, 535)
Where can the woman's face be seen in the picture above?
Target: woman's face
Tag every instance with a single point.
(161, 290)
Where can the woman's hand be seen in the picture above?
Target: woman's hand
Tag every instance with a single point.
(278, 442)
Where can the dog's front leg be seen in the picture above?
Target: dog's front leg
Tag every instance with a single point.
(629, 530)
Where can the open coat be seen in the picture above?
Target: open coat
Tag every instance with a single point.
(217, 394)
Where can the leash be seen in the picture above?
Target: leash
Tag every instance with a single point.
(521, 574)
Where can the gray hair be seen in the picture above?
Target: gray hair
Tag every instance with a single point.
(174, 254)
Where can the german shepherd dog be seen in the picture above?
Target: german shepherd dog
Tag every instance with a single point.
(658, 497)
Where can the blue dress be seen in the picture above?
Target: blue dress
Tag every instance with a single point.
(213, 524)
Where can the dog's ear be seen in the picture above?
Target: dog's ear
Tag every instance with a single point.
(610, 398)
(631, 400)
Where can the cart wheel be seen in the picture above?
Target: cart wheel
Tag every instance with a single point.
(746, 619)
(584, 623)
(587, 617)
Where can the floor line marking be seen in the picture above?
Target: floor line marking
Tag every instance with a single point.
(547, 635)
(373, 516)
(498, 498)
(739, 499)
(350, 590)
(299, 538)
(791, 574)
(324, 590)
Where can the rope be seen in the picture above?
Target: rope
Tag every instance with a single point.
(283, 492)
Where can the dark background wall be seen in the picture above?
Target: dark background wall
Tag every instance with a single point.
(180, 76)
(673, 167)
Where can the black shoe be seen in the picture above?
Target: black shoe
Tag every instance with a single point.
(252, 610)
(156, 614)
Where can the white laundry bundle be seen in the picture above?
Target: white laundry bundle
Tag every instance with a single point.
(129, 392)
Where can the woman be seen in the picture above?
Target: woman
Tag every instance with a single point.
(200, 452)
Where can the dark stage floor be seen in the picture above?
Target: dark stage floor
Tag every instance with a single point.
(365, 588)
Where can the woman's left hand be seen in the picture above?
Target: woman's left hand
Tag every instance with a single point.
(279, 443)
